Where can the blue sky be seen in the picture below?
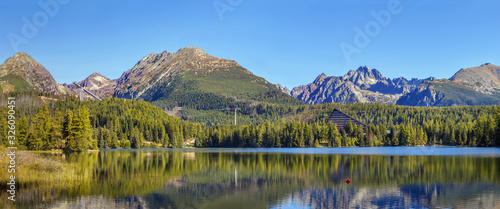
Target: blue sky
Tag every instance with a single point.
(287, 42)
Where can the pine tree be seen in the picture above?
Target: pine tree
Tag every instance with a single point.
(394, 136)
(22, 133)
(334, 136)
(68, 135)
(308, 135)
(34, 142)
(136, 138)
(57, 128)
(86, 130)
(78, 131)
(43, 129)
(260, 136)
(165, 140)
(497, 127)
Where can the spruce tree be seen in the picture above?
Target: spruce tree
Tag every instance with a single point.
(57, 128)
(497, 127)
(43, 129)
(22, 132)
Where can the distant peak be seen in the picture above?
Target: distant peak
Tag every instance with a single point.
(191, 49)
(19, 59)
(364, 69)
(488, 65)
(374, 73)
(21, 54)
(96, 74)
(320, 77)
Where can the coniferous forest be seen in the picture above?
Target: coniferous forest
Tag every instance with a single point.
(46, 122)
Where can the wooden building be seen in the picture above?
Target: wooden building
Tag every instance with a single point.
(341, 120)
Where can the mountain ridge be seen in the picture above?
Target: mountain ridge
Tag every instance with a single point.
(161, 77)
(361, 85)
(484, 78)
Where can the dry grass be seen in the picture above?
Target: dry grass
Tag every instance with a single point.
(35, 172)
(38, 176)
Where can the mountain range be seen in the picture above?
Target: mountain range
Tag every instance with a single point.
(187, 78)
(471, 86)
(194, 79)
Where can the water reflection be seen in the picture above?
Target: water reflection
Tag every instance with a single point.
(177, 179)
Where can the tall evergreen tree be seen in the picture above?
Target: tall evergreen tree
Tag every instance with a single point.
(43, 129)
(22, 132)
(497, 127)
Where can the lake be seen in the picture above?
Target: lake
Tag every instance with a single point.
(386, 177)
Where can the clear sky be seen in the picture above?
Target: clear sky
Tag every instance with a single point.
(287, 42)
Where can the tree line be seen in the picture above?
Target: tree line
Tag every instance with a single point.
(65, 122)
(76, 125)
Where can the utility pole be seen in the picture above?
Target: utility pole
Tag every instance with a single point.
(235, 109)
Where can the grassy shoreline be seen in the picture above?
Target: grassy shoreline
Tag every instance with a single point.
(34, 171)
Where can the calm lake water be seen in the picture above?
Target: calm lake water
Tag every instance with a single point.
(389, 177)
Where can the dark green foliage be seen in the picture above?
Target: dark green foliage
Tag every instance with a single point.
(119, 123)
(42, 137)
(112, 123)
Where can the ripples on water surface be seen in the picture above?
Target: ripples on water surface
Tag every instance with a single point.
(387, 177)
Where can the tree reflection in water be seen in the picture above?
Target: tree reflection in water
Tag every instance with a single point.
(177, 179)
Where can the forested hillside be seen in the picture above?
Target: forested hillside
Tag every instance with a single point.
(389, 125)
(79, 125)
(45, 122)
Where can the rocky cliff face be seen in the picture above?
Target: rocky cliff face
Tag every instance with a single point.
(471, 86)
(21, 72)
(283, 89)
(485, 78)
(362, 85)
(444, 92)
(423, 95)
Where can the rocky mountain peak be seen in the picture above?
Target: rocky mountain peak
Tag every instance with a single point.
(369, 73)
(154, 57)
(364, 69)
(363, 76)
(485, 78)
(283, 89)
(320, 78)
(156, 67)
(97, 75)
(196, 51)
(96, 81)
(18, 61)
(361, 85)
(23, 67)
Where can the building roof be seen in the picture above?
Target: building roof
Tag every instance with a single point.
(341, 119)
